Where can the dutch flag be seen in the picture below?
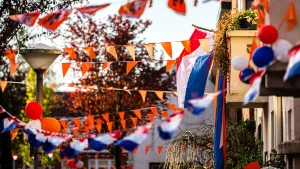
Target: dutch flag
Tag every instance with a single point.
(193, 68)
(167, 128)
(53, 141)
(133, 140)
(100, 142)
(253, 92)
(75, 147)
(293, 68)
(8, 124)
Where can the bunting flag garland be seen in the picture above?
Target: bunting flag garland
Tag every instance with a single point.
(14, 133)
(134, 121)
(65, 68)
(187, 45)
(170, 64)
(154, 111)
(106, 65)
(75, 147)
(143, 94)
(106, 117)
(10, 54)
(205, 44)
(91, 9)
(165, 114)
(160, 95)
(121, 114)
(253, 92)
(159, 149)
(130, 49)
(133, 9)
(70, 52)
(133, 140)
(172, 107)
(151, 117)
(90, 52)
(109, 126)
(8, 124)
(135, 150)
(53, 20)
(3, 85)
(123, 123)
(100, 142)
(85, 67)
(76, 122)
(99, 125)
(129, 66)
(138, 113)
(112, 51)
(27, 19)
(167, 47)
(168, 127)
(149, 48)
(147, 149)
(178, 6)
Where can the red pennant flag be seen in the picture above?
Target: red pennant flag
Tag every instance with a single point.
(178, 6)
(65, 68)
(253, 165)
(27, 19)
(147, 149)
(159, 149)
(133, 9)
(91, 9)
(53, 20)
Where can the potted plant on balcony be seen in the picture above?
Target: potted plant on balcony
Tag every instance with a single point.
(244, 20)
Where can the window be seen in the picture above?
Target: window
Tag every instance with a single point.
(289, 125)
(101, 163)
(272, 130)
(248, 4)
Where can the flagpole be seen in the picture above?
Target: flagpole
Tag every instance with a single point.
(205, 29)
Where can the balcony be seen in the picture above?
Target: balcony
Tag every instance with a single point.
(240, 45)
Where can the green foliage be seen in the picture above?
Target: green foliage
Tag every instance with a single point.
(248, 15)
(249, 125)
(22, 146)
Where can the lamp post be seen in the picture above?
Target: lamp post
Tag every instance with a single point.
(50, 154)
(15, 157)
(39, 57)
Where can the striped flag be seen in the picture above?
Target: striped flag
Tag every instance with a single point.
(294, 63)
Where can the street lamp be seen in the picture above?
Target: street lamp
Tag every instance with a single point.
(39, 57)
(50, 154)
(15, 157)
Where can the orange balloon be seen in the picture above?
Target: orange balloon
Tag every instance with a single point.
(50, 124)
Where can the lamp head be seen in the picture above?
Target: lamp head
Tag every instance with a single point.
(15, 156)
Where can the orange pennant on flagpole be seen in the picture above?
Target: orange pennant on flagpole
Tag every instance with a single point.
(151, 117)
(106, 64)
(121, 114)
(172, 107)
(130, 49)
(134, 121)
(291, 16)
(154, 111)
(149, 48)
(160, 95)
(3, 85)
(147, 149)
(187, 45)
(138, 113)
(123, 123)
(129, 66)
(167, 47)
(170, 64)
(65, 68)
(85, 67)
(106, 117)
(112, 51)
(143, 94)
(10, 54)
(109, 126)
(159, 149)
(165, 114)
(13, 68)
(70, 52)
(90, 52)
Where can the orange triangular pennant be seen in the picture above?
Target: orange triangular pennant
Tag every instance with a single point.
(149, 48)
(178, 6)
(136, 149)
(70, 52)
(147, 149)
(159, 149)
(165, 114)
(99, 125)
(167, 47)
(128, 91)
(123, 123)
(130, 49)
(87, 129)
(170, 64)
(121, 114)
(10, 54)
(65, 68)
(75, 131)
(187, 45)
(106, 117)
(106, 64)
(129, 66)
(90, 121)
(205, 44)
(64, 124)
(109, 126)
(134, 121)
(160, 95)
(90, 52)
(3, 85)
(14, 133)
(291, 16)
(112, 51)
(13, 68)
(151, 117)
(85, 67)
(143, 94)
(154, 111)
(175, 93)
(138, 113)
(172, 107)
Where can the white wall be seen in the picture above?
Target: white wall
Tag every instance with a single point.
(141, 160)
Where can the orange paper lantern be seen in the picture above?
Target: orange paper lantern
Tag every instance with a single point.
(50, 124)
